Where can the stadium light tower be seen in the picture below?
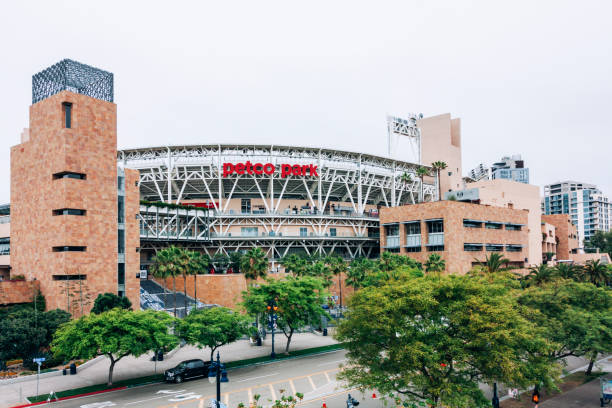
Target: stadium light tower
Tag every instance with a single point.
(404, 138)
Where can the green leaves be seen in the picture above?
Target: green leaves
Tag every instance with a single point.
(436, 338)
(213, 327)
(115, 333)
(254, 264)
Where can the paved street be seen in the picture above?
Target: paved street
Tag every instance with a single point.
(314, 376)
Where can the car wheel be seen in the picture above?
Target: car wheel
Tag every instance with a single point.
(178, 379)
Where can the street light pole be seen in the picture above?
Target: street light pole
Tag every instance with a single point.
(272, 308)
(495, 400)
(218, 381)
(217, 373)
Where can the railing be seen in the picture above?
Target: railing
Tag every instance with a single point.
(435, 238)
(301, 212)
(5, 219)
(290, 235)
(413, 240)
(393, 242)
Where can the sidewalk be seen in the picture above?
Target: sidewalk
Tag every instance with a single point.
(130, 367)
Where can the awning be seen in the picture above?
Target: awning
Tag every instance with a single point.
(468, 220)
(390, 223)
(412, 222)
(494, 222)
(517, 225)
(434, 219)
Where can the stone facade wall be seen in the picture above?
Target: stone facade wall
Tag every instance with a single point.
(566, 233)
(132, 238)
(88, 147)
(12, 292)
(456, 235)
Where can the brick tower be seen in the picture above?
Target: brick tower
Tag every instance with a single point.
(73, 211)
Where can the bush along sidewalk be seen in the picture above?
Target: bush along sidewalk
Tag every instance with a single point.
(134, 382)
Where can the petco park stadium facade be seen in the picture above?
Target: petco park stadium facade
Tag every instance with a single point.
(284, 199)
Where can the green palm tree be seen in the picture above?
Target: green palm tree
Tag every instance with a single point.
(435, 264)
(184, 269)
(422, 172)
(437, 166)
(540, 274)
(596, 273)
(357, 271)
(167, 264)
(494, 262)
(567, 271)
(337, 266)
(254, 264)
(198, 264)
(406, 178)
(234, 261)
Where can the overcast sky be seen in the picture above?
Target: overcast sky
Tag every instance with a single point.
(526, 77)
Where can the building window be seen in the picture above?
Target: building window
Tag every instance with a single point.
(392, 236)
(69, 211)
(514, 248)
(494, 247)
(493, 225)
(332, 232)
(67, 109)
(435, 248)
(249, 231)
(69, 248)
(69, 277)
(245, 206)
(121, 274)
(435, 226)
(303, 232)
(413, 249)
(121, 241)
(472, 247)
(472, 224)
(120, 209)
(413, 228)
(514, 227)
(69, 174)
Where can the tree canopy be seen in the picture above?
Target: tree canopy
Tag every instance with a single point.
(434, 339)
(213, 327)
(108, 301)
(299, 302)
(115, 334)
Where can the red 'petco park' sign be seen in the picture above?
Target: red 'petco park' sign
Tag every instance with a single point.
(269, 169)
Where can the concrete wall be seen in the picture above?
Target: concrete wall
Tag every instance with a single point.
(17, 292)
(511, 194)
(441, 141)
(456, 235)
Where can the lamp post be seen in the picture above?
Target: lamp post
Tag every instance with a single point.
(272, 308)
(217, 373)
(495, 400)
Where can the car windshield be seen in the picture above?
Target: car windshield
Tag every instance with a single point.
(182, 365)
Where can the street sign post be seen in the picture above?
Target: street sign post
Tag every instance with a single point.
(38, 361)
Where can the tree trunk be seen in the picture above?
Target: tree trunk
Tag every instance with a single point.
(110, 370)
(340, 286)
(174, 290)
(212, 353)
(185, 292)
(439, 187)
(591, 363)
(288, 341)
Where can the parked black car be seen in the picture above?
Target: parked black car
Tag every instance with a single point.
(186, 370)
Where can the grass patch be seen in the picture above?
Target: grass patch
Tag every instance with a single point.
(160, 377)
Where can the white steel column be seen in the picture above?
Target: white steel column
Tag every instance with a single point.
(169, 200)
(219, 169)
(393, 203)
(319, 185)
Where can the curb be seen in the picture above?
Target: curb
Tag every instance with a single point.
(159, 382)
(71, 397)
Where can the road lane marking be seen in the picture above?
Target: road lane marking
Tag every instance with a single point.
(312, 384)
(331, 362)
(250, 395)
(292, 386)
(254, 378)
(201, 405)
(226, 398)
(327, 376)
(272, 392)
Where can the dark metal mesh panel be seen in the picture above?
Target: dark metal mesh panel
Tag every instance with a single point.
(75, 77)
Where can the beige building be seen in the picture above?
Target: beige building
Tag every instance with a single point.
(441, 141)
(509, 194)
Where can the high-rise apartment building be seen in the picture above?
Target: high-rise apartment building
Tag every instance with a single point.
(510, 168)
(588, 208)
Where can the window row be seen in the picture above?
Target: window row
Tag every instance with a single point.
(469, 247)
(491, 225)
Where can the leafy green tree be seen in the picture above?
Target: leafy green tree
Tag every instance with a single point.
(166, 264)
(115, 334)
(337, 266)
(254, 264)
(494, 263)
(299, 302)
(319, 269)
(220, 261)
(600, 240)
(213, 327)
(234, 261)
(358, 270)
(421, 173)
(596, 273)
(198, 264)
(567, 271)
(433, 340)
(108, 301)
(435, 264)
(379, 277)
(576, 317)
(540, 274)
(438, 166)
(295, 264)
(389, 261)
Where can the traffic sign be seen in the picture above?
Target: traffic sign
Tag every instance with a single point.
(38, 360)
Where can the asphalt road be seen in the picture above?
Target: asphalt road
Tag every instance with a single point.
(314, 376)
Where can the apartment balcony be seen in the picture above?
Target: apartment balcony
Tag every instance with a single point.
(413, 240)
(393, 241)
